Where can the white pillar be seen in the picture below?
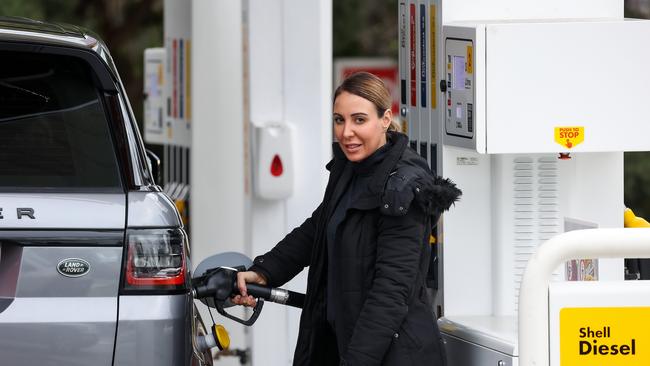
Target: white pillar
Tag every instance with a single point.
(287, 45)
(218, 168)
(290, 63)
(217, 163)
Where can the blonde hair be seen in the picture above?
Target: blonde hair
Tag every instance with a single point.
(371, 88)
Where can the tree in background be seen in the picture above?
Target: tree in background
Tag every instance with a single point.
(364, 28)
(127, 27)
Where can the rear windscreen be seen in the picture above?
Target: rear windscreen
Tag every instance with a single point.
(53, 129)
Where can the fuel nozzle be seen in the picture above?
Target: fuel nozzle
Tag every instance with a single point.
(219, 284)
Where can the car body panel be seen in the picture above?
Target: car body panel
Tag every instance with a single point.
(63, 210)
(151, 209)
(154, 330)
(39, 277)
(70, 331)
(49, 316)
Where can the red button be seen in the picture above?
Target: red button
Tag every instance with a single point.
(276, 166)
(449, 102)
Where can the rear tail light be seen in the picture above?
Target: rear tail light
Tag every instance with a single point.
(155, 260)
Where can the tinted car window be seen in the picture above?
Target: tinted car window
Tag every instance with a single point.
(53, 129)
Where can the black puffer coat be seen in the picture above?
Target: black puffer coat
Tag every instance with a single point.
(380, 262)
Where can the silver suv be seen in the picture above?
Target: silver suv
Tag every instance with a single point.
(93, 256)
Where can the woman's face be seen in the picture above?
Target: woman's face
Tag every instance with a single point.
(358, 129)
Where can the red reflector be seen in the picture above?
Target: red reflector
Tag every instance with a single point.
(276, 166)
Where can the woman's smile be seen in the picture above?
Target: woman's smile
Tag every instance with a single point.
(352, 148)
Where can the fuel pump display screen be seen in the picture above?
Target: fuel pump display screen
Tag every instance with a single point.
(459, 116)
(458, 82)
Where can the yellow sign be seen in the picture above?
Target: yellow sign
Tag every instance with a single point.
(605, 336)
(570, 136)
(470, 60)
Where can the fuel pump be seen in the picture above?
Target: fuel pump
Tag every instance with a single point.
(507, 99)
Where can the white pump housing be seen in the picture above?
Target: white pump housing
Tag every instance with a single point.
(522, 80)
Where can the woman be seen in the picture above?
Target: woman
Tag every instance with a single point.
(366, 245)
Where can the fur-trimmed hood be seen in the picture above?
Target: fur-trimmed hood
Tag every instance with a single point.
(411, 180)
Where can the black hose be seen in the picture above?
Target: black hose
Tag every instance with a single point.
(296, 299)
(276, 295)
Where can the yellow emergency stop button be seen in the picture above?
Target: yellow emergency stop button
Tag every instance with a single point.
(221, 336)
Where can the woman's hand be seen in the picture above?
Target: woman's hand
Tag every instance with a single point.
(242, 279)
